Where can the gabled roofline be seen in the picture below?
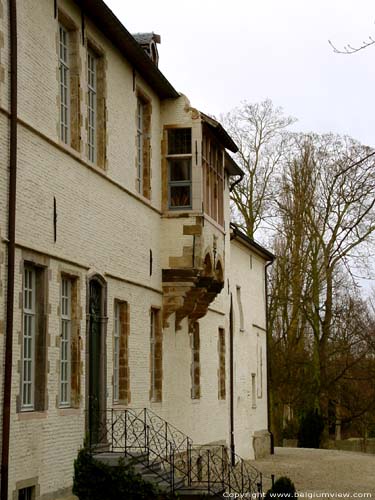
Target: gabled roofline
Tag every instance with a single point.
(114, 30)
(237, 234)
(220, 133)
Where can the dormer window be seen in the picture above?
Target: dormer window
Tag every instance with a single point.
(179, 168)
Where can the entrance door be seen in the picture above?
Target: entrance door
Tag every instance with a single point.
(96, 365)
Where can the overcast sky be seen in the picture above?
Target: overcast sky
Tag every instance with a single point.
(220, 53)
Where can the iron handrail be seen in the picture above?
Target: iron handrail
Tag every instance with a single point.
(171, 454)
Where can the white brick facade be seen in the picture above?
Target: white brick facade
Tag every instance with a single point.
(104, 226)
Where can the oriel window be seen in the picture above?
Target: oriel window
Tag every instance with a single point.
(179, 168)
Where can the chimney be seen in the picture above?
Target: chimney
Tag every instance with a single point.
(148, 43)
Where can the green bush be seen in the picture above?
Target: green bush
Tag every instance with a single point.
(94, 480)
(283, 485)
(310, 431)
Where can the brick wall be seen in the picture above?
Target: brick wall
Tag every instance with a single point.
(103, 226)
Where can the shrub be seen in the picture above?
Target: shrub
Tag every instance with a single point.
(283, 485)
(310, 431)
(94, 480)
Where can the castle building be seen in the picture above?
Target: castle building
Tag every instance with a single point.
(123, 284)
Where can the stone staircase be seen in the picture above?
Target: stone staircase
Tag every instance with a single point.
(165, 456)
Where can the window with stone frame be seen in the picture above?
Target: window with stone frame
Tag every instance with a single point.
(121, 380)
(96, 107)
(69, 82)
(221, 371)
(213, 177)
(179, 161)
(143, 143)
(156, 356)
(195, 362)
(34, 343)
(26, 493)
(69, 343)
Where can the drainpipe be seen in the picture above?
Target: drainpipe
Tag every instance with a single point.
(231, 383)
(11, 248)
(232, 186)
(272, 448)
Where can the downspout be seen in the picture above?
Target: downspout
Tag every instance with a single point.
(231, 383)
(11, 249)
(232, 186)
(272, 449)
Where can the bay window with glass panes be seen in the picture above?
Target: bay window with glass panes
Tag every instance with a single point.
(179, 159)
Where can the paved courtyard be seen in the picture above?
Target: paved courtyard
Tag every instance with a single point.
(322, 471)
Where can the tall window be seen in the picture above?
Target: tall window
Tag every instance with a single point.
(28, 347)
(155, 356)
(213, 178)
(143, 157)
(195, 363)
(179, 168)
(222, 378)
(34, 348)
(91, 105)
(65, 345)
(121, 386)
(140, 144)
(116, 353)
(64, 84)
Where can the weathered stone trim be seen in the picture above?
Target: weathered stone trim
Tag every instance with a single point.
(101, 99)
(157, 396)
(195, 362)
(41, 264)
(76, 339)
(28, 483)
(124, 370)
(146, 136)
(75, 72)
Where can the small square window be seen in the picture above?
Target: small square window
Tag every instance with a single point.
(179, 141)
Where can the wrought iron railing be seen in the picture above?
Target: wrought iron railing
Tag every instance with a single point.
(170, 454)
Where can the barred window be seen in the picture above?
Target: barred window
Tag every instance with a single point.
(65, 344)
(140, 144)
(91, 105)
(116, 353)
(64, 71)
(28, 345)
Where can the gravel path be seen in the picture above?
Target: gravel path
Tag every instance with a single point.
(322, 471)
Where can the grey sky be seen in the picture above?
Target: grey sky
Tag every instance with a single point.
(220, 53)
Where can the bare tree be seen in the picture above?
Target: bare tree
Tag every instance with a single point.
(349, 49)
(326, 212)
(259, 131)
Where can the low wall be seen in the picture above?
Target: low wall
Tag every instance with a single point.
(354, 444)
